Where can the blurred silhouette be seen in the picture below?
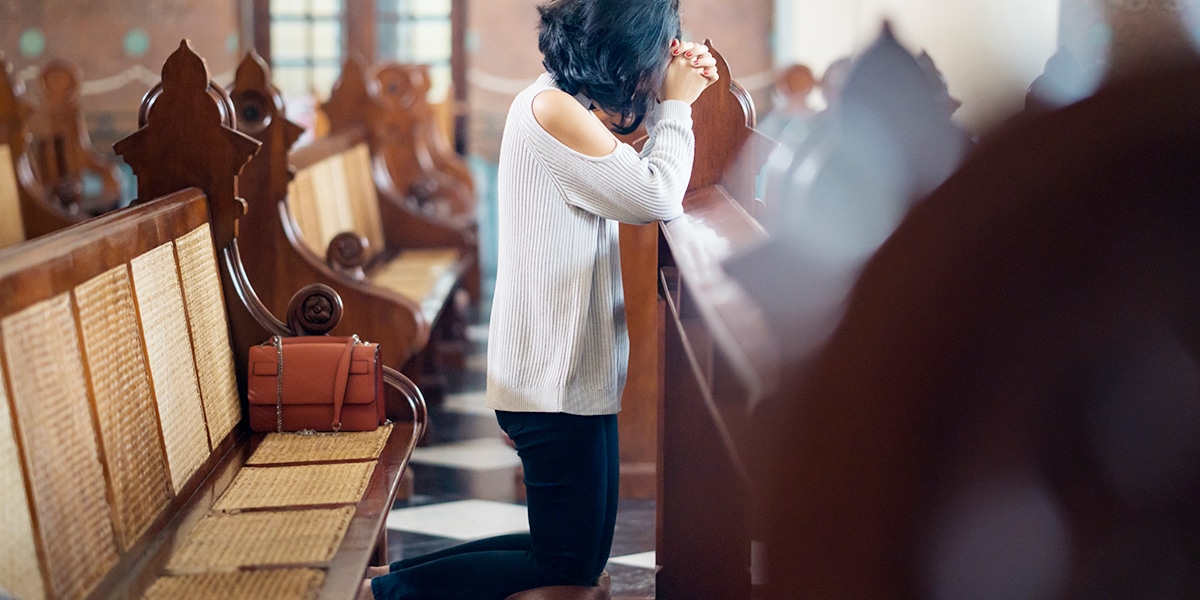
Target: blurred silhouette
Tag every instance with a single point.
(1009, 404)
(834, 195)
(790, 107)
(1062, 83)
(834, 79)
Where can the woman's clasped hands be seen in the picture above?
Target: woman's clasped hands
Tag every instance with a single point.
(692, 69)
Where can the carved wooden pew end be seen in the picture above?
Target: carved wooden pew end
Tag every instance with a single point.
(325, 212)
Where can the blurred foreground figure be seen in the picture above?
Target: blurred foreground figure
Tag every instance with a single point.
(836, 192)
(1009, 406)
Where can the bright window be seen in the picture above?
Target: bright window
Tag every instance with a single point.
(417, 31)
(306, 44)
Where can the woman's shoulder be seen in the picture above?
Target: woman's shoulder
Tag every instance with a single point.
(566, 120)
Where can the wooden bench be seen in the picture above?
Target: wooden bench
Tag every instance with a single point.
(320, 214)
(1011, 374)
(127, 468)
(419, 188)
(25, 211)
(741, 317)
(415, 149)
(714, 351)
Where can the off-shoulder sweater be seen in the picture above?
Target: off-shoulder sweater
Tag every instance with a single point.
(557, 340)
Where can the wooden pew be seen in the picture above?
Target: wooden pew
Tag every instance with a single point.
(440, 132)
(414, 188)
(1008, 406)
(328, 223)
(736, 293)
(25, 211)
(718, 357)
(124, 451)
(699, 466)
(415, 149)
(12, 145)
(61, 148)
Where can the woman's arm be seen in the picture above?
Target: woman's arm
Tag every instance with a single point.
(609, 178)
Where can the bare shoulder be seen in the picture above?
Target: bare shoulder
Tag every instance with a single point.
(570, 123)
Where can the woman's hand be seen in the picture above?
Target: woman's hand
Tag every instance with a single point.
(691, 70)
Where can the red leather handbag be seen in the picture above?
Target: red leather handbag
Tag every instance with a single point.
(315, 383)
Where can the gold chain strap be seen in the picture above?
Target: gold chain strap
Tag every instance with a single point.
(278, 342)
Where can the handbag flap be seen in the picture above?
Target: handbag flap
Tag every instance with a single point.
(310, 370)
(271, 367)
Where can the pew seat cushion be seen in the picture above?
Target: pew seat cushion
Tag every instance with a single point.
(427, 276)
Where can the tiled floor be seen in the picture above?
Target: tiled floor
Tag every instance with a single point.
(465, 486)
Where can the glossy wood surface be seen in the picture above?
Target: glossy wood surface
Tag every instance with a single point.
(719, 357)
(714, 228)
(183, 121)
(277, 261)
(637, 423)
(55, 264)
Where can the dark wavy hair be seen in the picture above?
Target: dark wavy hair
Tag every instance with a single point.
(615, 51)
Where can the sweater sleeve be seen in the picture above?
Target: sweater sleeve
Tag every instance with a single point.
(627, 186)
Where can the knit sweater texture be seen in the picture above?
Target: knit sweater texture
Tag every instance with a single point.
(557, 340)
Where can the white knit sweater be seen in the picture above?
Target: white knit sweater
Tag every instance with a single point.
(558, 341)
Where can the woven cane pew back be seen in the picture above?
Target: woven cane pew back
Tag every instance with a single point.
(121, 421)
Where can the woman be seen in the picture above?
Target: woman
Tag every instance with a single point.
(558, 347)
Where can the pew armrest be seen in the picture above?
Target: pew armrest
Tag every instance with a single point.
(348, 253)
(711, 215)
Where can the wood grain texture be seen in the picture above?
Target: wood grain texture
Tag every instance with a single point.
(717, 354)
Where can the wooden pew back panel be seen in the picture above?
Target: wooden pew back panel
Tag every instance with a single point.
(335, 195)
(119, 375)
(11, 229)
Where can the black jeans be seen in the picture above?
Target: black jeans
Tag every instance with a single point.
(571, 478)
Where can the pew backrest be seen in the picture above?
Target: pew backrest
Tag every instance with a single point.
(334, 192)
(118, 370)
(12, 134)
(122, 436)
(36, 213)
(11, 229)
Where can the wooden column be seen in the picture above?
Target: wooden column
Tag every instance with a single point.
(359, 33)
(458, 72)
(637, 421)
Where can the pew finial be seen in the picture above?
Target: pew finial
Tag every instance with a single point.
(723, 118)
(261, 113)
(351, 103)
(187, 138)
